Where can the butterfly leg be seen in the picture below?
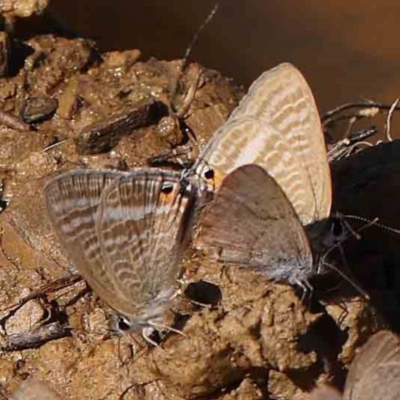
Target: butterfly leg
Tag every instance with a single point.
(157, 326)
(146, 333)
(306, 288)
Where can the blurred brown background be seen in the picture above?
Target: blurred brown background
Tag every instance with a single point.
(347, 49)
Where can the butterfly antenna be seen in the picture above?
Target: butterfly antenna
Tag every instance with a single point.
(369, 223)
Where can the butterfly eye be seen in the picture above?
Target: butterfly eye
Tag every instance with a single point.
(167, 187)
(209, 174)
(336, 228)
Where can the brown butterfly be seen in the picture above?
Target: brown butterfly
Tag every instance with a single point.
(125, 233)
(251, 222)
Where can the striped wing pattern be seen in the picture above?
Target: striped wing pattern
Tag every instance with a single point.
(142, 229)
(276, 126)
(72, 199)
(125, 231)
(122, 231)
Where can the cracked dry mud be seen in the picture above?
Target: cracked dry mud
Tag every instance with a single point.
(254, 340)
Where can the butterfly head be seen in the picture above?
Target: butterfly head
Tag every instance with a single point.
(148, 314)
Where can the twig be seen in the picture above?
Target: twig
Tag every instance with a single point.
(389, 118)
(345, 147)
(328, 117)
(197, 34)
(55, 145)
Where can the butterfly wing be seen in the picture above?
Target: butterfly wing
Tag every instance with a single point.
(72, 200)
(251, 222)
(143, 223)
(277, 126)
(375, 371)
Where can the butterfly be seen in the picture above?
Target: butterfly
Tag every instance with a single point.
(127, 246)
(251, 222)
(125, 233)
(277, 127)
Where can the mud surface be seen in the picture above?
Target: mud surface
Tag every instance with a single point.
(65, 106)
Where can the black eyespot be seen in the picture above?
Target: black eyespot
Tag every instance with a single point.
(123, 324)
(209, 174)
(167, 187)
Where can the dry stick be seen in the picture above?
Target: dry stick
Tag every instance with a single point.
(327, 117)
(55, 145)
(190, 47)
(197, 35)
(360, 144)
(188, 99)
(389, 118)
(345, 147)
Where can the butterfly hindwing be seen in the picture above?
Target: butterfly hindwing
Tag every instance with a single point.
(251, 222)
(72, 200)
(142, 228)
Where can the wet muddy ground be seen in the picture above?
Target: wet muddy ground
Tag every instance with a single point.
(65, 105)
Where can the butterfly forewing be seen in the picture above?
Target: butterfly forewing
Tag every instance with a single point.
(245, 141)
(375, 371)
(251, 222)
(72, 200)
(285, 100)
(277, 127)
(142, 228)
